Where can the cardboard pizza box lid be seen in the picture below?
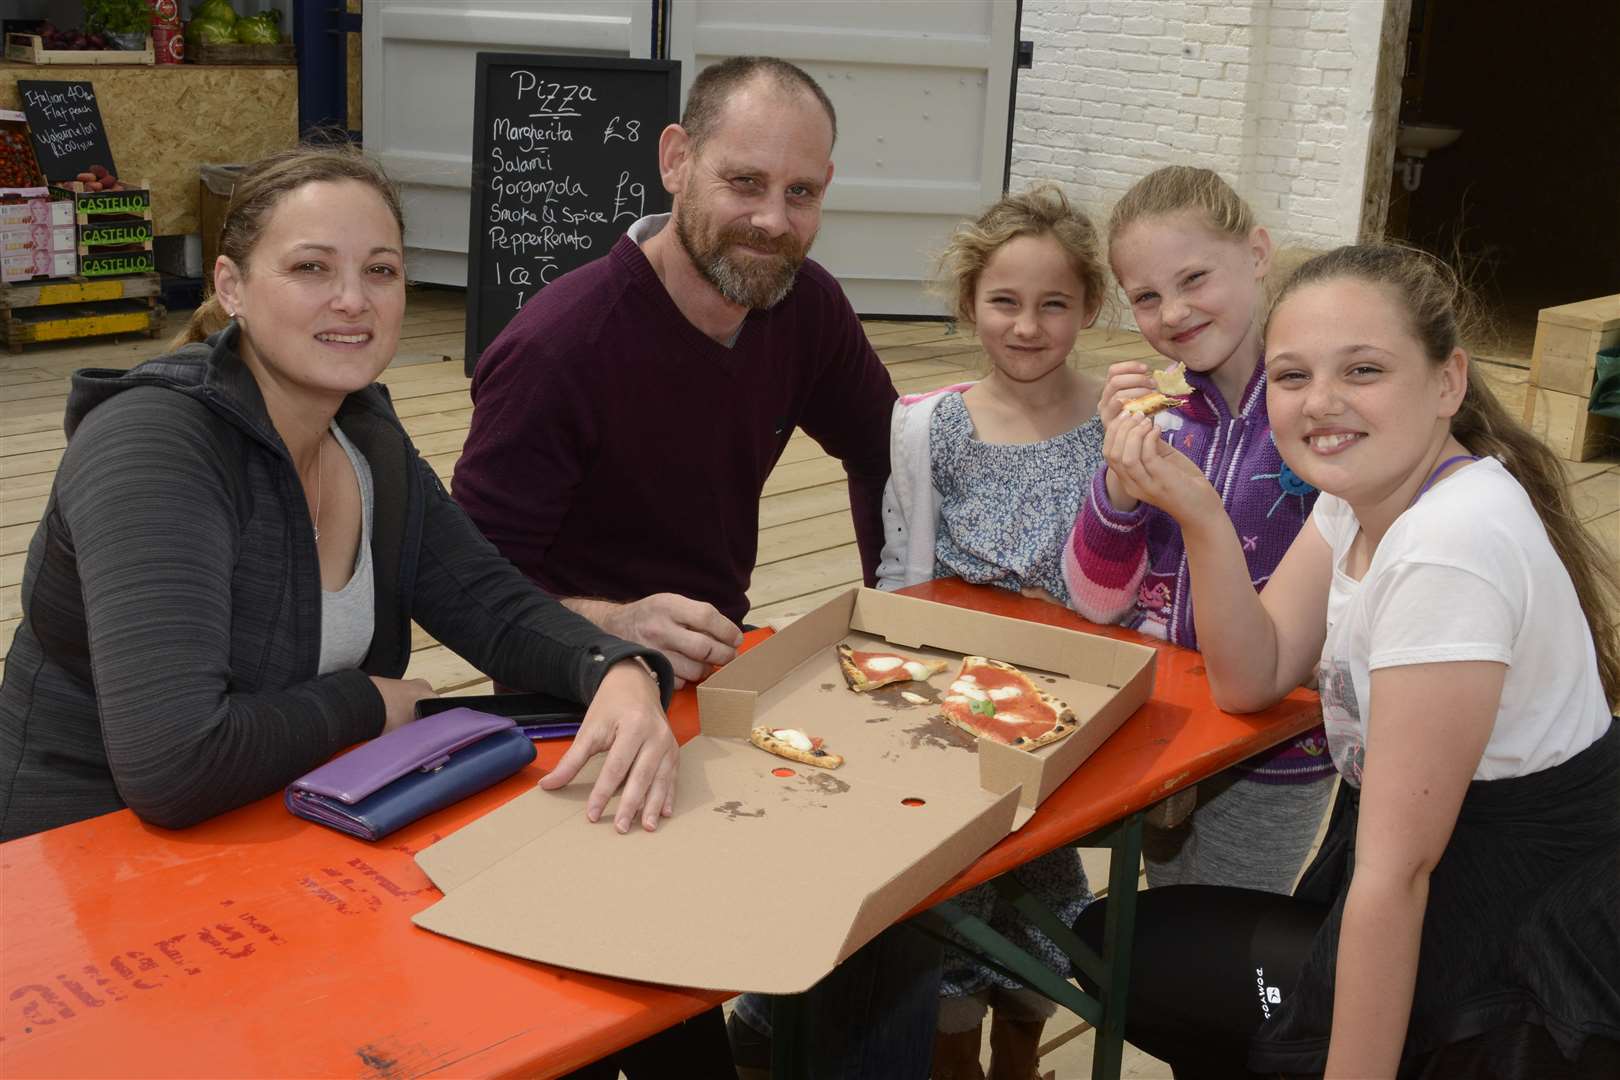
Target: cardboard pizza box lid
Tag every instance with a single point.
(770, 873)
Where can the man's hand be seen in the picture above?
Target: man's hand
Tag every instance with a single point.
(626, 720)
(692, 634)
(399, 699)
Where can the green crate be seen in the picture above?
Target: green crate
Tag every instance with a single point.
(114, 232)
(108, 263)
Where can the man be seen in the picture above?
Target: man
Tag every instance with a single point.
(626, 421)
(627, 418)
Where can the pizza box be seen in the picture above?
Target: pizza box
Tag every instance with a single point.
(770, 873)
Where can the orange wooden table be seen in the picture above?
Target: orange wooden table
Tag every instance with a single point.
(259, 945)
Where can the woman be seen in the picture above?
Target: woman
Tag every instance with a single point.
(219, 595)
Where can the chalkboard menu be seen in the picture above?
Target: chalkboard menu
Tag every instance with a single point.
(65, 124)
(565, 159)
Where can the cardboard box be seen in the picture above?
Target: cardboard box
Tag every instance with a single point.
(37, 209)
(28, 237)
(22, 265)
(769, 873)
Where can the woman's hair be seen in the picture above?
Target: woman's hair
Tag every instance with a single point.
(1437, 310)
(1040, 211)
(257, 192)
(1176, 188)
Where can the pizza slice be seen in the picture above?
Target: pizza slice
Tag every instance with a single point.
(1172, 392)
(869, 670)
(1152, 402)
(1172, 381)
(995, 700)
(794, 745)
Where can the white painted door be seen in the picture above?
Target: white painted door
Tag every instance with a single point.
(921, 88)
(419, 63)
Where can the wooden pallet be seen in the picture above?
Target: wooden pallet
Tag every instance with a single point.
(82, 321)
(78, 290)
(30, 49)
(65, 310)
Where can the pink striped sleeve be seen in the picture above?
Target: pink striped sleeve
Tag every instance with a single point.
(1105, 557)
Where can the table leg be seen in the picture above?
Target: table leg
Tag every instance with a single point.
(1110, 972)
(787, 1031)
(1118, 931)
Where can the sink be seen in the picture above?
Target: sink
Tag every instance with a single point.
(1416, 140)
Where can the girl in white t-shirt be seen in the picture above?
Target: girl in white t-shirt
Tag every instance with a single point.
(1464, 910)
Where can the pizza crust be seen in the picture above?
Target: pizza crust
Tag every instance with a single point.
(823, 759)
(1150, 403)
(905, 669)
(1065, 724)
(854, 676)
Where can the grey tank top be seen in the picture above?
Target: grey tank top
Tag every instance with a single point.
(348, 616)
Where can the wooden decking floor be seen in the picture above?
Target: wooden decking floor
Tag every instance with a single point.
(806, 540)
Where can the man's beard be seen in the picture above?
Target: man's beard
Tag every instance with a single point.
(751, 281)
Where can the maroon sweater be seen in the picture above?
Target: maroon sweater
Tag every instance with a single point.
(616, 451)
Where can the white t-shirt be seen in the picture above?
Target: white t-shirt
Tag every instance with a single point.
(1467, 573)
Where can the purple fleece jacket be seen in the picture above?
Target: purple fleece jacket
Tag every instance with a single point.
(1131, 568)
(616, 451)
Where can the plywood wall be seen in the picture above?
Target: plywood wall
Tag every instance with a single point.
(163, 121)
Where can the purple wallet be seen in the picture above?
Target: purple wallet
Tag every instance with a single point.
(389, 782)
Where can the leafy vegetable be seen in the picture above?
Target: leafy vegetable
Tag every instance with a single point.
(208, 32)
(218, 10)
(117, 16)
(257, 31)
(983, 708)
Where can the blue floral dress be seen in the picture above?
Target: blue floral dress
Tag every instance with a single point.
(1005, 513)
(1007, 508)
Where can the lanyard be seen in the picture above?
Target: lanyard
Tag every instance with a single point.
(1438, 469)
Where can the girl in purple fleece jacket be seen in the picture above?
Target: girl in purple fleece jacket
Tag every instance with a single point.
(1191, 262)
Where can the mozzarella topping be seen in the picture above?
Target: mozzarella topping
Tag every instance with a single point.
(796, 739)
(915, 699)
(884, 663)
(966, 689)
(1002, 693)
(917, 669)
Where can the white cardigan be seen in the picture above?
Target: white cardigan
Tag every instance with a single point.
(910, 503)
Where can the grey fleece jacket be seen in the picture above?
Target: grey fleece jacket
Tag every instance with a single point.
(166, 658)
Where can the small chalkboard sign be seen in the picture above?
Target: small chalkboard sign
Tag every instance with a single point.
(565, 159)
(65, 125)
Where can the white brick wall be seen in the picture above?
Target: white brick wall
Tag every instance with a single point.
(1276, 95)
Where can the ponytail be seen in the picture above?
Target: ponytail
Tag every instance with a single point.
(207, 320)
(1487, 429)
(1434, 303)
